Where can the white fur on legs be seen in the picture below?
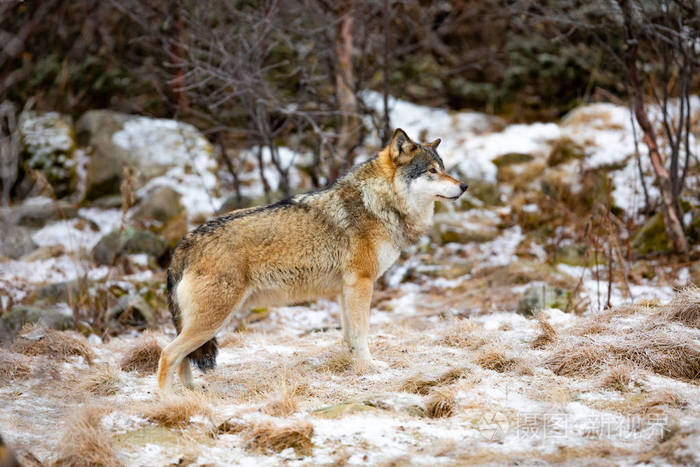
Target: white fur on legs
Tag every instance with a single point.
(185, 373)
(357, 295)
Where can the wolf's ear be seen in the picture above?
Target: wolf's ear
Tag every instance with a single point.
(434, 144)
(400, 144)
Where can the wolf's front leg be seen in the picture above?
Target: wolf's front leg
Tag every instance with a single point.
(357, 295)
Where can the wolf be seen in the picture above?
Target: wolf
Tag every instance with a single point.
(333, 242)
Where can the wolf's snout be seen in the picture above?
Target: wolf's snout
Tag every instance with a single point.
(463, 186)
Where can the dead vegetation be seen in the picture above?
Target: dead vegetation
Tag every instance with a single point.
(494, 358)
(284, 403)
(575, 359)
(102, 382)
(267, 436)
(419, 384)
(547, 335)
(177, 411)
(441, 404)
(618, 378)
(86, 442)
(13, 367)
(54, 344)
(685, 307)
(143, 356)
(339, 361)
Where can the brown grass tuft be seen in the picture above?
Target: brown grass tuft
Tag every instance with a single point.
(575, 359)
(462, 335)
(143, 356)
(670, 354)
(231, 427)
(13, 367)
(441, 404)
(339, 361)
(176, 411)
(676, 446)
(492, 357)
(102, 382)
(266, 436)
(663, 399)
(618, 378)
(685, 307)
(86, 442)
(417, 384)
(548, 335)
(35, 341)
(285, 403)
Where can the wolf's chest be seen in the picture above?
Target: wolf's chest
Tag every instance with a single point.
(387, 254)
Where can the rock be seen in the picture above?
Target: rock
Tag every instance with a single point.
(16, 240)
(48, 143)
(651, 237)
(43, 253)
(38, 214)
(151, 146)
(161, 205)
(539, 296)
(60, 292)
(14, 320)
(132, 310)
(512, 158)
(175, 229)
(132, 241)
(573, 255)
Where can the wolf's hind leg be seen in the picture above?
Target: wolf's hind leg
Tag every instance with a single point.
(185, 373)
(205, 307)
(344, 320)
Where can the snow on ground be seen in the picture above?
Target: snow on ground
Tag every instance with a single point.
(441, 308)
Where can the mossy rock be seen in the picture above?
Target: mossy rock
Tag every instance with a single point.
(48, 144)
(131, 241)
(12, 322)
(479, 195)
(651, 237)
(564, 150)
(540, 296)
(512, 158)
(162, 204)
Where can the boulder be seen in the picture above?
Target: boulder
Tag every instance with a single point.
(162, 204)
(152, 146)
(48, 143)
(540, 296)
(38, 214)
(12, 322)
(16, 240)
(131, 241)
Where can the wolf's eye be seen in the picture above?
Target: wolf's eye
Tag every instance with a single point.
(433, 170)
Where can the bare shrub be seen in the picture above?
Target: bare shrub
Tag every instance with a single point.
(494, 358)
(579, 358)
(267, 436)
(547, 336)
(177, 411)
(418, 384)
(103, 382)
(685, 307)
(441, 404)
(55, 344)
(13, 367)
(143, 356)
(85, 442)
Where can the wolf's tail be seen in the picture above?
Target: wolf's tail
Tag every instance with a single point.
(205, 356)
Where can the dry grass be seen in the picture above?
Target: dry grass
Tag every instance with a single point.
(675, 355)
(675, 447)
(285, 403)
(177, 411)
(685, 307)
(85, 442)
(339, 361)
(418, 384)
(143, 356)
(618, 378)
(55, 344)
(662, 399)
(441, 404)
(102, 382)
(576, 359)
(462, 335)
(493, 357)
(266, 436)
(13, 367)
(547, 336)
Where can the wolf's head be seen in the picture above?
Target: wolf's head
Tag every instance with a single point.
(419, 171)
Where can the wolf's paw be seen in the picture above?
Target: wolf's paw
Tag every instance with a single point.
(371, 363)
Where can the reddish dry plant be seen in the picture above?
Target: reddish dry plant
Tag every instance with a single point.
(61, 345)
(441, 404)
(86, 443)
(418, 384)
(143, 356)
(266, 436)
(547, 336)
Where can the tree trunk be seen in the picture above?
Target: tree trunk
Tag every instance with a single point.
(344, 84)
